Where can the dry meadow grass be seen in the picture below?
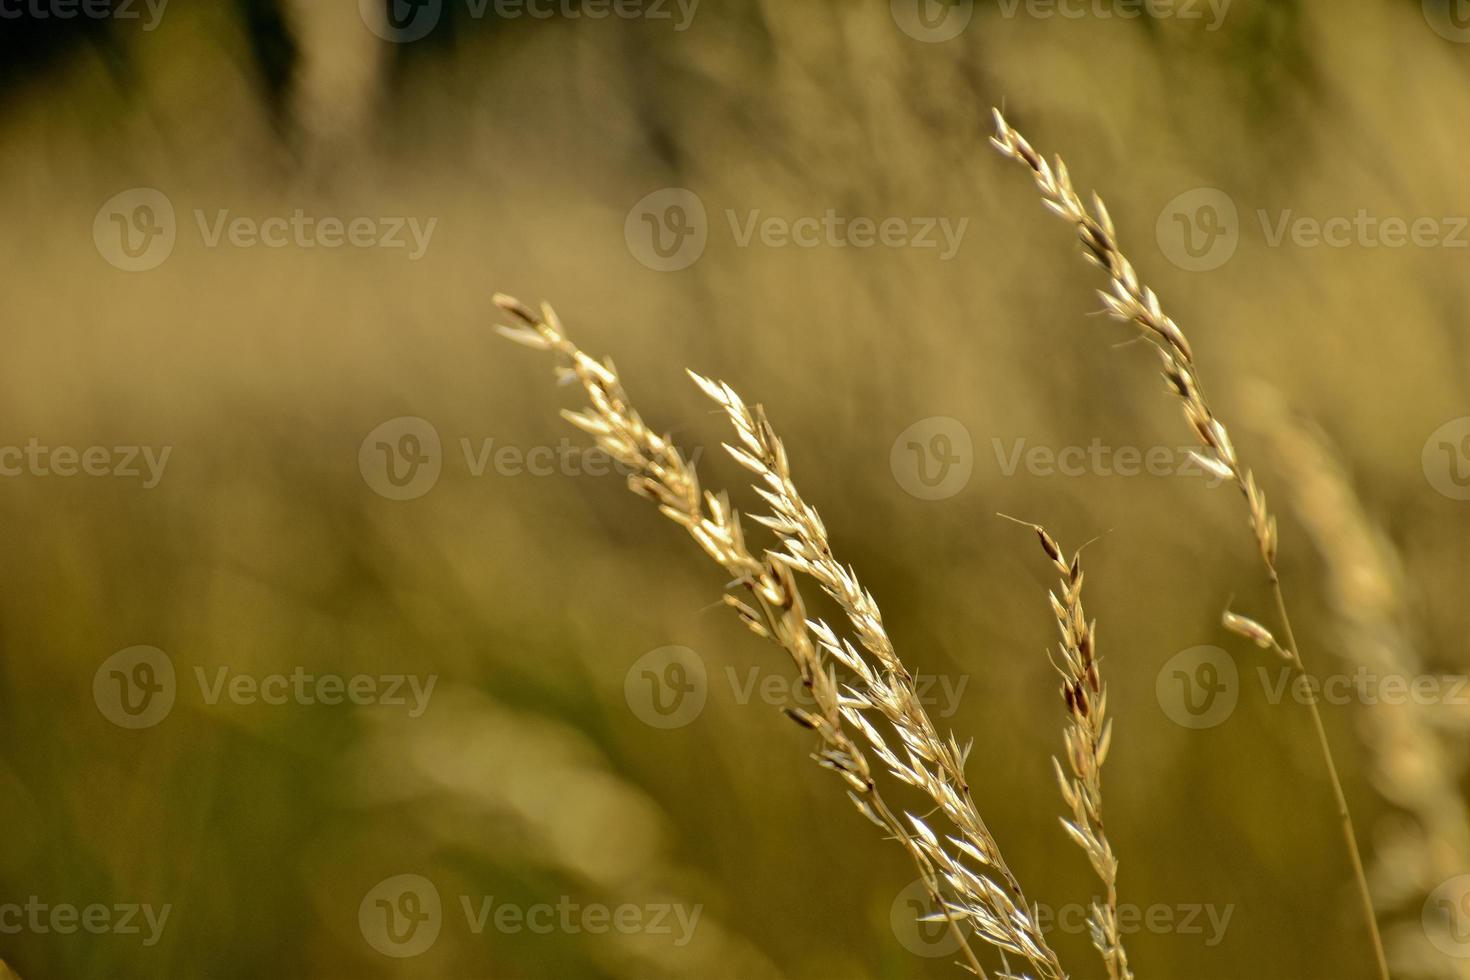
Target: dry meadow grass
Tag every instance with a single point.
(529, 778)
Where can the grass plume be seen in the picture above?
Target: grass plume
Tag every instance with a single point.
(961, 864)
(1128, 299)
(1088, 735)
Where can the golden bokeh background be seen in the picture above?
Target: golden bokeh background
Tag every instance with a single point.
(265, 546)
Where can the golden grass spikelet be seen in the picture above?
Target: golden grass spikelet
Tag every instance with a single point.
(1129, 300)
(1251, 630)
(1087, 737)
(962, 866)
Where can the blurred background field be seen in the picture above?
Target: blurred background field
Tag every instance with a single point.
(263, 547)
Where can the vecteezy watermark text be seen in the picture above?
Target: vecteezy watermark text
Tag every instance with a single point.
(938, 692)
(1364, 686)
(144, 463)
(833, 230)
(668, 688)
(402, 916)
(668, 229)
(1200, 687)
(1098, 459)
(137, 688)
(300, 687)
(403, 458)
(923, 930)
(137, 230)
(569, 917)
(120, 10)
(98, 918)
(1200, 229)
(311, 231)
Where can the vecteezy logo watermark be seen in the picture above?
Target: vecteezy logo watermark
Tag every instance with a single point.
(410, 691)
(144, 463)
(1364, 686)
(401, 459)
(137, 230)
(923, 930)
(400, 21)
(918, 924)
(1364, 230)
(1203, 919)
(1200, 229)
(1097, 459)
(135, 687)
(570, 917)
(1446, 917)
(1198, 687)
(307, 231)
(120, 10)
(833, 230)
(566, 458)
(667, 687)
(64, 918)
(1450, 19)
(404, 21)
(402, 916)
(1446, 459)
(932, 21)
(939, 693)
(933, 458)
(668, 230)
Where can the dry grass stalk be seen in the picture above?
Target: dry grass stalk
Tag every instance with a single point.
(1410, 746)
(1088, 735)
(964, 871)
(1129, 300)
(931, 762)
(1134, 302)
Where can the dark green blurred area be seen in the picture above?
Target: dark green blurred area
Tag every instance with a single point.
(263, 548)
